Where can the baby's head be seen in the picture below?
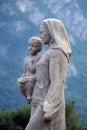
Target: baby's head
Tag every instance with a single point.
(34, 45)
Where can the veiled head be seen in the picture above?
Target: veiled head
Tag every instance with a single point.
(53, 31)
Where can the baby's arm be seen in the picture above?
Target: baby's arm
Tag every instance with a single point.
(31, 66)
(30, 87)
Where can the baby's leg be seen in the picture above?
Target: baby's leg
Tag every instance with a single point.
(30, 86)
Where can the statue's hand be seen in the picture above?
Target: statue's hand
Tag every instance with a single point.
(46, 109)
(29, 101)
(20, 84)
(24, 79)
(47, 118)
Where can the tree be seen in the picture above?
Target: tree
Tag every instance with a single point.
(71, 116)
(18, 119)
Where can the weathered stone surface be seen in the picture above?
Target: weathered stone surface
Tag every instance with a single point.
(27, 81)
(48, 102)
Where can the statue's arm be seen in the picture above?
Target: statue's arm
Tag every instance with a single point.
(53, 96)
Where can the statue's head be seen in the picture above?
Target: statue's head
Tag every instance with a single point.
(53, 33)
(34, 45)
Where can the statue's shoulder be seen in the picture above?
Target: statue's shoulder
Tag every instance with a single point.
(26, 58)
(55, 52)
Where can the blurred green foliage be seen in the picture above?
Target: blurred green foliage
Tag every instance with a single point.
(71, 116)
(18, 119)
(14, 119)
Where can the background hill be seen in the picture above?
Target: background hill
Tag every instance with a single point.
(20, 20)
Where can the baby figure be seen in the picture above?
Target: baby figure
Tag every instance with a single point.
(27, 81)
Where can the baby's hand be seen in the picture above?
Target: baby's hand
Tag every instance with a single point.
(29, 101)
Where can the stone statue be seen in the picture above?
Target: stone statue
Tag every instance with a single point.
(48, 102)
(27, 81)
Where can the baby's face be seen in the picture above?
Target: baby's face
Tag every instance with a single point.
(32, 48)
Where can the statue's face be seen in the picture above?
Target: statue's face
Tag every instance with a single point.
(44, 34)
(33, 49)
